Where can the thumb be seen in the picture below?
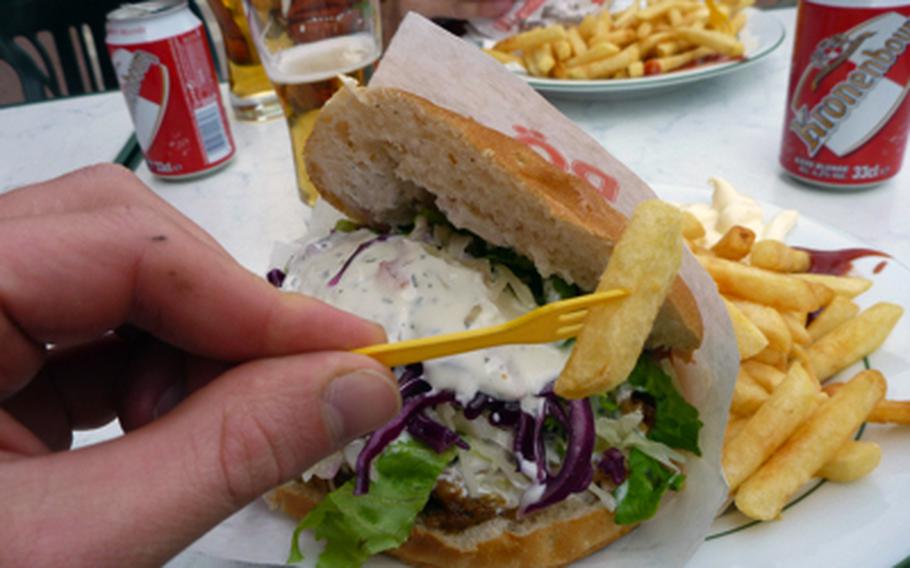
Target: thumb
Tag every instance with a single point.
(142, 498)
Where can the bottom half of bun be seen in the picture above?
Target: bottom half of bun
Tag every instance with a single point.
(554, 536)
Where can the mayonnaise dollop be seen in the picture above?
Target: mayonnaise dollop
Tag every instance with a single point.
(729, 208)
(414, 289)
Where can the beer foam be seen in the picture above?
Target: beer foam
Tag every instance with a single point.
(320, 60)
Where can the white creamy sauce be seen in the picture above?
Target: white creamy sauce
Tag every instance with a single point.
(415, 290)
(729, 208)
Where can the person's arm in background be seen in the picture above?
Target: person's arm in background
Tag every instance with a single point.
(393, 11)
(225, 385)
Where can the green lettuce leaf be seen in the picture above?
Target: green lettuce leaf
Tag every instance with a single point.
(355, 527)
(676, 422)
(647, 482)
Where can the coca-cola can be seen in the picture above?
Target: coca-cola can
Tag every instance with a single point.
(847, 112)
(164, 65)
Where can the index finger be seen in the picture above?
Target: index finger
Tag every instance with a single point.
(71, 277)
(91, 188)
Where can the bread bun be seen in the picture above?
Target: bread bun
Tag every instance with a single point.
(554, 536)
(380, 155)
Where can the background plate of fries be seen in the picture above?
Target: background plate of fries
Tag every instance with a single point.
(859, 515)
(642, 57)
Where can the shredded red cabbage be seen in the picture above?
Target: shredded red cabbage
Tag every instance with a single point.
(613, 464)
(576, 472)
(575, 417)
(434, 434)
(347, 263)
(276, 277)
(388, 433)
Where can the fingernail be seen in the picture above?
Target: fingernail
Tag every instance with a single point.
(359, 402)
(171, 398)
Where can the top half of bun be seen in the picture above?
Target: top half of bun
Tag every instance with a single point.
(380, 155)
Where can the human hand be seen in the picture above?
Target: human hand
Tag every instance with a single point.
(393, 11)
(230, 388)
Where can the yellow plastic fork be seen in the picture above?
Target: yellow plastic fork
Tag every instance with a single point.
(552, 322)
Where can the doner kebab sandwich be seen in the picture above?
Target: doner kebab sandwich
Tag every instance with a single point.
(523, 455)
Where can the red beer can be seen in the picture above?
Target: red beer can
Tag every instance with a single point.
(847, 111)
(165, 68)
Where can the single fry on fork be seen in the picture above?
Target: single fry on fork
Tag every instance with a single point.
(551, 322)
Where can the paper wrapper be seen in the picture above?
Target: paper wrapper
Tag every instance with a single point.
(429, 62)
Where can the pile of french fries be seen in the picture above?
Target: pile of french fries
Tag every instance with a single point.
(785, 427)
(644, 39)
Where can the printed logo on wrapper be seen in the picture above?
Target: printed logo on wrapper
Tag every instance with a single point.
(846, 122)
(592, 175)
(165, 69)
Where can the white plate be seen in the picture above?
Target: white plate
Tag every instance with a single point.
(761, 35)
(863, 523)
(860, 524)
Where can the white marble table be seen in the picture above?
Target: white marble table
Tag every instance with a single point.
(728, 126)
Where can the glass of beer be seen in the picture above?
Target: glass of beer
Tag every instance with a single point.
(252, 95)
(305, 45)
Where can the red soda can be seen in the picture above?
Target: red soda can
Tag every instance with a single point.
(847, 111)
(165, 68)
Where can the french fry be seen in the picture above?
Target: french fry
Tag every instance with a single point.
(770, 322)
(606, 67)
(649, 43)
(800, 355)
(780, 291)
(734, 426)
(543, 58)
(526, 41)
(849, 286)
(644, 262)
(588, 26)
(749, 339)
(796, 324)
(596, 53)
(787, 407)
(773, 357)
(765, 375)
(775, 255)
(503, 57)
(748, 395)
(716, 41)
(737, 23)
(885, 412)
(854, 339)
(562, 49)
(579, 47)
(854, 460)
(735, 243)
(691, 227)
(627, 17)
(644, 29)
(668, 48)
(675, 17)
(605, 20)
(673, 62)
(763, 495)
(657, 10)
(837, 312)
(617, 37)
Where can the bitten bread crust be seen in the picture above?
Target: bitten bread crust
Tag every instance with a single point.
(380, 155)
(555, 536)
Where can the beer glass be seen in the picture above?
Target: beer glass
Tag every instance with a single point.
(252, 95)
(304, 46)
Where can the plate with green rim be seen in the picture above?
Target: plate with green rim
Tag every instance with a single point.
(863, 523)
(762, 34)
